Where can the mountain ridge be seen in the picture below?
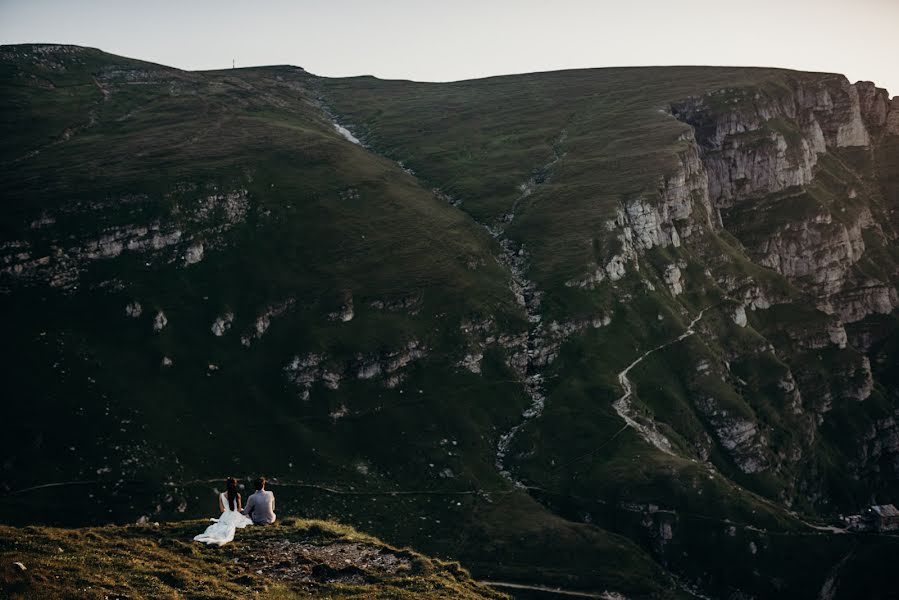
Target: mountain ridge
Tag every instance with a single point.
(578, 230)
(486, 77)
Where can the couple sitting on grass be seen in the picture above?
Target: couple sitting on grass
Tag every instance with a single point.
(260, 510)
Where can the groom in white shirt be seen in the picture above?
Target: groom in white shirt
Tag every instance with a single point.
(260, 505)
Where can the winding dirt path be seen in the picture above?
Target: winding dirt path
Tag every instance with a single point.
(624, 407)
(550, 590)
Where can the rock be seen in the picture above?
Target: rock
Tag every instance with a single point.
(770, 142)
(892, 121)
(615, 268)
(745, 154)
(816, 252)
(345, 314)
(408, 304)
(589, 281)
(869, 298)
(852, 131)
(394, 380)
(660, 220)
(739, 316)
(738, 435)
(369, 370)
(756, 298)
(874, 104)
(222, 324)
(645, 223)
(231, 208)
(472, 362)
(305, 371)
(863, 381)
(331, 379)
(687, 186)
(791, 391)
(133, 309)
(45, 220)
(193, 254)
(674, 280)
(837, 334)
(263, 321)
(159, 321)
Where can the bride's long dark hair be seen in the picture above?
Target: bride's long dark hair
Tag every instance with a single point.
(231, 484)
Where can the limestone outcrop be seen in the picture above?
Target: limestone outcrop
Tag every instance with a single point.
(762, 150)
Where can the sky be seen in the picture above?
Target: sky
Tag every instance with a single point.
(426, 40)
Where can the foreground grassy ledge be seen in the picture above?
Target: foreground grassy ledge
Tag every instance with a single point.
(294, 559)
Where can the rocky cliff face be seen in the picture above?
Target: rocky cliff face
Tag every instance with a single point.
(791, 174)
(787, 171)
(762, 151)
(673, 213)
(46, 255)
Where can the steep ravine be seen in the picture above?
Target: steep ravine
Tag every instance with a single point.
(514, 257)
(527, 354)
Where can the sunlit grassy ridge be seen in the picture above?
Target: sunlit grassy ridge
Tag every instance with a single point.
(326, 219)
(157, 561)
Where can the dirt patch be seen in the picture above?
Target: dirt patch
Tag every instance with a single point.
(338, 562)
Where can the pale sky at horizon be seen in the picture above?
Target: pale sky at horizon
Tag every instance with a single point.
(465, 39)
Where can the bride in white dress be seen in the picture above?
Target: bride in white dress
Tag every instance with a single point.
(222, 529)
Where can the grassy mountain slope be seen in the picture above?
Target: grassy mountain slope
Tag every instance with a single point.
(616, 141)
(435, 325)
(299, 230)
(296, 225)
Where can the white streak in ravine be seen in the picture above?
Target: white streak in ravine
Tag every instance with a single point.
(346, 133)
(623, 405)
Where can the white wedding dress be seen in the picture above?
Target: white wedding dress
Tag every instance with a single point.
(222, 530)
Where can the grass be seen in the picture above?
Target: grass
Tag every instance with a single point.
(161, 560)
(326, 220)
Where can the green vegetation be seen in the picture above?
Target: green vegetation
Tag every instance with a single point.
(334, 322)
(292, 560)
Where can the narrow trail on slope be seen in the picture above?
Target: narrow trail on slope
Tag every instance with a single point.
(546, 589)
(624, 407)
